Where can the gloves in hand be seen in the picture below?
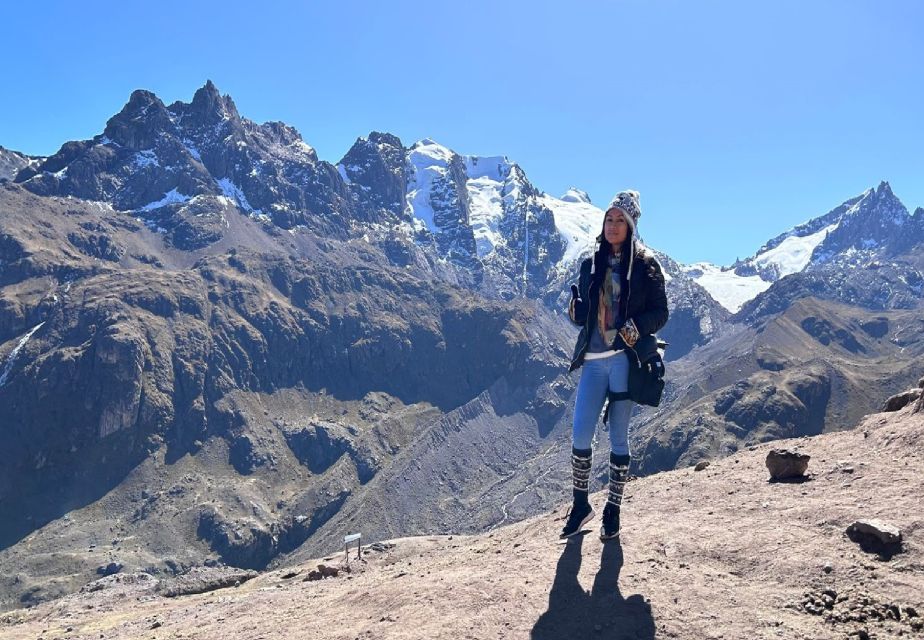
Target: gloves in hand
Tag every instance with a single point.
(575, 300)
(629, 333)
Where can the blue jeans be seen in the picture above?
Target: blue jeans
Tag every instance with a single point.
(596, 377)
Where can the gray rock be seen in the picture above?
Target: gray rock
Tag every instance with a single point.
(203, 579)
(109, 569)
(881, 531)
(784, 464)
(138, 581)
(901, 400)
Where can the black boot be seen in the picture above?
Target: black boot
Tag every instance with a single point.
(581, 512)
(619, 474)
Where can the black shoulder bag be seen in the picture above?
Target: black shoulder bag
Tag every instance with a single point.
(646, 379)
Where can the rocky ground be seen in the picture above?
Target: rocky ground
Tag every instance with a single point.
(716, 553)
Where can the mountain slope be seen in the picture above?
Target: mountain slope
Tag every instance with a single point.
(812, 368)
(753, 557)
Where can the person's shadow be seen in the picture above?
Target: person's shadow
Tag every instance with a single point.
(602, 613)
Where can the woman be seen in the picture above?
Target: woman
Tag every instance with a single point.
(620, 304)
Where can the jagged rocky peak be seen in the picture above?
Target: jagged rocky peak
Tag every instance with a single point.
(377, 147)
(139, 124)
(574, 194)
(876, 222)
(377, 167)
(881, 203)
(12, 162)
(887, 203)
(387, 139)
(281, 133)
(208, 107)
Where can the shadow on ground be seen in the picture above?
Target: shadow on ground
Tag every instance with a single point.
(601, 613)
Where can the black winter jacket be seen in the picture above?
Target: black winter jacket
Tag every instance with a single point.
(643, 300)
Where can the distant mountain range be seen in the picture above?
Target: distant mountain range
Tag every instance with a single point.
(248, 349)
(849, 234)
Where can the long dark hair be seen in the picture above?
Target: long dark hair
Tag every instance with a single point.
(601, 257)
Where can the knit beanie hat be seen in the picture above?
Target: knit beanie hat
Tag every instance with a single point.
(628, 202)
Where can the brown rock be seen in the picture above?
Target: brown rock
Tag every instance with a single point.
(702, 464)
(328, 572)
(784, 464)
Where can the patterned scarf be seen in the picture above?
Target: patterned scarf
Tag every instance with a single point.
(608, 309)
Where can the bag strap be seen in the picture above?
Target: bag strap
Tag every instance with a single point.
(611, 397)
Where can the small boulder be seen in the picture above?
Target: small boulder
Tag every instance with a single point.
(901, 400)
(875, 536)
(884, 532)
(702, 464)
(784, 464)
(109, 569)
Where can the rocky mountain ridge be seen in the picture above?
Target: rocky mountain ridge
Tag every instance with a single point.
(183, 169)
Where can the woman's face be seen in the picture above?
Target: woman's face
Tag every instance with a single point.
(615, 228)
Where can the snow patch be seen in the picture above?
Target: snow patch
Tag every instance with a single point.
(192, 149)
(428, 161)
(171, 197)
(487, 178)
(793, 254)
(234, 192)
(578, 222)
(304, 147)
(146, 158)
(725, 286)
(11, 359)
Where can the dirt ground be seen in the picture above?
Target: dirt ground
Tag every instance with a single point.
(717, 553)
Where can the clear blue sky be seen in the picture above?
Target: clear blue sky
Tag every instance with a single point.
(735, 120)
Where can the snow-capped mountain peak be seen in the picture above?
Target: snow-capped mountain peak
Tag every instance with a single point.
(573, 194)
(579, 223)
(428, 163)
(864, 224)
